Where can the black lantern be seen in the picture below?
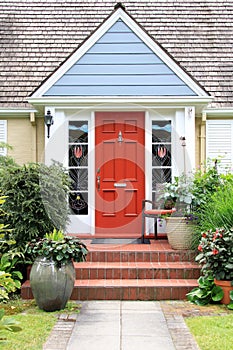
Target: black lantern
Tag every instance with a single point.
(48, 120)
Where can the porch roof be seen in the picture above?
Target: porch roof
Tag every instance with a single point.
(37, 36)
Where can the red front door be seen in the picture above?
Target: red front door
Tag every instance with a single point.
(119, 167)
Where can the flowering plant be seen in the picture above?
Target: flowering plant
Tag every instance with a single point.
(216, 253)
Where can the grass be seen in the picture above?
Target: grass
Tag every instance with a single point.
(36, 324)
(212, 332)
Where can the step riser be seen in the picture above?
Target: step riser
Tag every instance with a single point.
(111, 256)
(95, 273)
(130, 293)
(123, 293)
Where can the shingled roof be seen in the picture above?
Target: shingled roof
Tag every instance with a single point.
(36, 36)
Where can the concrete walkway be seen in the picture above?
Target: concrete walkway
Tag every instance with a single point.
(121, 325)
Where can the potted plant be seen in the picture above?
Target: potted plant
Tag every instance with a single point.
(216, 258)
(178, 225)
(52, 274)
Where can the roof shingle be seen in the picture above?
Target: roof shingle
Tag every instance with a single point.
(36, 36)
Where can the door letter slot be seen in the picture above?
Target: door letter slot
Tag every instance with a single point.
(119, 185)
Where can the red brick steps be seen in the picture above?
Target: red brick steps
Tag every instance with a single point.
(132, 272)
(136, 270)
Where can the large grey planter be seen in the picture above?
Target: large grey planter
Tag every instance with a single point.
(51, 286)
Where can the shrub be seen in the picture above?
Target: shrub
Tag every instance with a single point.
(37, 200)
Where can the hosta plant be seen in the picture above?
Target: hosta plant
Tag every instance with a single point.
(206, 292)
(58, 247)
(216, 253)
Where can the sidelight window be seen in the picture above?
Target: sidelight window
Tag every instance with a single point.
(78, 167)
(161, 155)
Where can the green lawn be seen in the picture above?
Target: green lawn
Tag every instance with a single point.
(35, 330)
(36, 324)
(212, 332)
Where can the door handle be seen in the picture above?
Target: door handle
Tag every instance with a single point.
(98, 183)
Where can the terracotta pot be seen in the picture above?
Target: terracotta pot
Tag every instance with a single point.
(51, 286)
(226, 287)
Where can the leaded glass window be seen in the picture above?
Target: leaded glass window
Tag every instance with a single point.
(78, 167)
(161, 155)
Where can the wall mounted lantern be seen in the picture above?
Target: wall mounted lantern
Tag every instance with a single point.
(48, 120)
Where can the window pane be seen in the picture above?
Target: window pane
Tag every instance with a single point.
(78, 132)
(160, 176)
(78, 155)
(78, 203)
(161, 155)
(79, 178)
(161, 131)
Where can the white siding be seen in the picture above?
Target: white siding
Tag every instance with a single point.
(219, 141)
(3, 135)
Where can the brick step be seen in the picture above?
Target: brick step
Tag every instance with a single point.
(132, 289)
(136, 270)
(124, 255)
(128, 289)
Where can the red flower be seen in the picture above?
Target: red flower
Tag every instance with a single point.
(215, 251)
(200, 248)
(204, 235)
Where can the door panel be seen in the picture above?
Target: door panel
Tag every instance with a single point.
(120, 179)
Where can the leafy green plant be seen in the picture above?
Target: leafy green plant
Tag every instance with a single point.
(56, 235)
(206, 292)
(8, 263)
(205, 184)
(177, 192)
(8, 324)
(218, 211)
(216, 253)
(37, 200)
(7, 285)
(230, 306)
(62, 250)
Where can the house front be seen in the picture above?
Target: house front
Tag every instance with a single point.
(130, 99)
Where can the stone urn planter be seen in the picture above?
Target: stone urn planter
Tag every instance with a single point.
(51, 285)
(52, 275)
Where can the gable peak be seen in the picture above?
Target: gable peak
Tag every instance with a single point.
(119, 5)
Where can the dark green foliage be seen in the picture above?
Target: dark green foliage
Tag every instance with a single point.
(58, 247)
(36, 200)
(206, 292)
